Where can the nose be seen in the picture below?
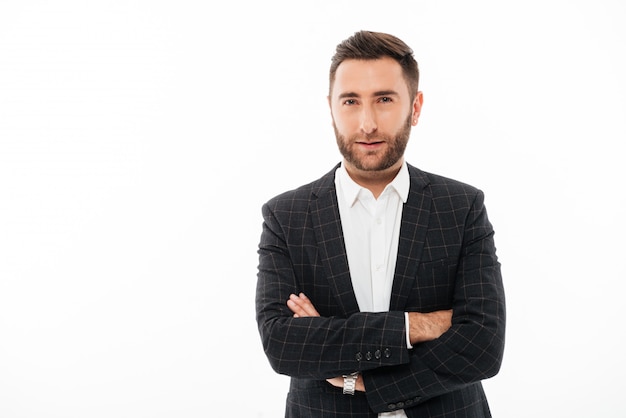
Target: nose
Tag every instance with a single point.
(368, 120)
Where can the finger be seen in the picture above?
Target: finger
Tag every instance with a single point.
(301, 305)
(293, 305)
(310, 309)
(308, 305)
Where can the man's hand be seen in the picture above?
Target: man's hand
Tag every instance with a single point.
(428, 326)
(301, 306)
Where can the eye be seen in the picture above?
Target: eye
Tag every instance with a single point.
(385, 99)
(349, 102)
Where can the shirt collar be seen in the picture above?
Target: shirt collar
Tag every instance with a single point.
(351, 190)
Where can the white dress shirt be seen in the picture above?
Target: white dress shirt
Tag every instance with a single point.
(371, 230)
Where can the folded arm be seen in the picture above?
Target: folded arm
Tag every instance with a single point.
(324, 347)
(471, 350)
(422, 327)
(316, 347)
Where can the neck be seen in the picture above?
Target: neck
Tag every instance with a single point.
(374, 181)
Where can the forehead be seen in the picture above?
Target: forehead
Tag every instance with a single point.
(365, 77)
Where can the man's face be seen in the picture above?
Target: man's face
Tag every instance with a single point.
(372, 113)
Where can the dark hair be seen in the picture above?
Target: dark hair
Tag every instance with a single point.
(366, 45)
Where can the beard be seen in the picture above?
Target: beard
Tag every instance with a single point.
(369, 161)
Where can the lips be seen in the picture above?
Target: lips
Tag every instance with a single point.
(370, 145)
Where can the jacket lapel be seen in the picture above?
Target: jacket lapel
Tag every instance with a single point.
(329, 235)
(415, 215)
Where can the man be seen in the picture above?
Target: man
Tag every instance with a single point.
(379, 289)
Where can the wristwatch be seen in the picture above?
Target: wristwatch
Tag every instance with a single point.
(349, 383)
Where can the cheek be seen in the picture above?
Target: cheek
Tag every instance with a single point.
(391, 119)
(344, 123)
(395, 123)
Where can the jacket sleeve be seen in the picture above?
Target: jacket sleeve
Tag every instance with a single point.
(315, 347)
(472, 349)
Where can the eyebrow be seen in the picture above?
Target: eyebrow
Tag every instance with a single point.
(379, 93)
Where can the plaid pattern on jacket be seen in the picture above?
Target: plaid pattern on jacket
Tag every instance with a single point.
(446, 260)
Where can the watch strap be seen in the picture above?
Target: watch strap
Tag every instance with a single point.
(349, 383)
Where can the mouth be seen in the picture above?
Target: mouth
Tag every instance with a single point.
(370, 144)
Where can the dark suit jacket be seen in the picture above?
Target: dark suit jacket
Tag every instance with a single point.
(446, 259)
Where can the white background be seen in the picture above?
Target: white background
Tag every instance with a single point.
(139, 139)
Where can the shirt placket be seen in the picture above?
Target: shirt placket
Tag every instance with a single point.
(378, 255)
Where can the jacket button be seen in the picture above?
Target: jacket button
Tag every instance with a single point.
(391, 406)
(377, 354)
(359, 356)
(387, 353)
(400, 405)
(368, 355)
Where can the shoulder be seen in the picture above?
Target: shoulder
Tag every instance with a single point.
(439, 184)
(300, 197)
(446, 193)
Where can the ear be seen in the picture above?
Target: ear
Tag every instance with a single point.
(417, 107)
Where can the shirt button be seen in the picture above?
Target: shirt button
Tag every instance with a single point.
(379, 221)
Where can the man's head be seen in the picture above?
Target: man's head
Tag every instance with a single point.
(365, 45)
(374, 101)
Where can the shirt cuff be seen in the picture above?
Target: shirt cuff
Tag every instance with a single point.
(406, 327)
